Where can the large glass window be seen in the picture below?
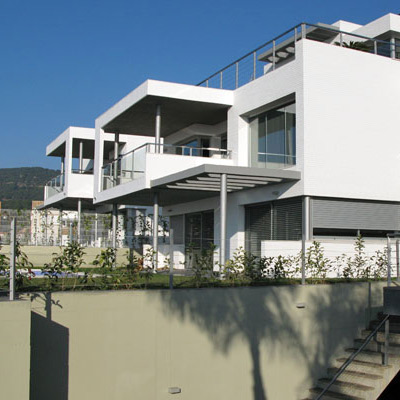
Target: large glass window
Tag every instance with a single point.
(273, 138)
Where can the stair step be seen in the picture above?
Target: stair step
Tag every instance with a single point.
(347, 388)
(364, 366)
(380, 336)
(372, 356)
(331, 395)
(351, 374)
(394, 348)
(393, 326)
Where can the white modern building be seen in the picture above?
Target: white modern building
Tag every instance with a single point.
(72, 190)
(299, 138)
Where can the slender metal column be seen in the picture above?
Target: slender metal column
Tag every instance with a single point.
(13, 243)
(79, 220)
(397, 260)
(155, 231)
(158, 129)
(114, 225)
(223, 202)
(389, 262)
(62, 165)
(116, 155)
(130, 232)
(81, 156)
(171, 258)
(60, 226)
(305, 236)
(393, 48)
(96, 225)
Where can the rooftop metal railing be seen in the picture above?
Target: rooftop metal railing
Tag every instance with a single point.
(131, 165)
(282, 49)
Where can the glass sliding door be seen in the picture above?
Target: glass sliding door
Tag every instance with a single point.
(273, 138)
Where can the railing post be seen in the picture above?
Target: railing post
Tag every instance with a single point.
(375, 47)
(397, 260)
(273, 54)
(386, 350)
(254, 65)
(389, 262)
(341, 39)
(303, 31)
(392, 48)
(220, 80)
(13, 245)
(207, 83)
(237, 76)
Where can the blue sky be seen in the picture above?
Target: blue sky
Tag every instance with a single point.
(65, 62)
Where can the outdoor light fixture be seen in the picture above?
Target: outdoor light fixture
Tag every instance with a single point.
(174, 390)
(301, 305)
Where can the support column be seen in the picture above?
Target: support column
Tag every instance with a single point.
(79, 221)
(81, 156)
(62, 165)
(223, 202)
(114, 225)
(392, 48)
(305, 236)
(130, 232)
(95, 230)
(116, 155)
(13, 255)
(155, 231)
(158, 129)
(60, 226)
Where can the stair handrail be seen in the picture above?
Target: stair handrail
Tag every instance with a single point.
(353, 356)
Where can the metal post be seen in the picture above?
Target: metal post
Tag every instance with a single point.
(155, 231)
(60, 226)
(171, 258)
(62, 165)
(375, 47)
(386, 351)
(237, 76)
(96, 224)
(273, 54)
(70, 232)
(254, 65)
(397, 260)
(81, 156)
(392, 48)
(13, 244)
(158, 128)
(116, 155)
(79, 221)
(305, 236)
(207, 83)
(295, 37)
(220, 80)
(303, 31)
(223, 203)
(341, 39)
(114, 225)
(389, 262)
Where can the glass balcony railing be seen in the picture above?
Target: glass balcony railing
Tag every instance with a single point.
(54, 186)
(272, 160)
(131, 166)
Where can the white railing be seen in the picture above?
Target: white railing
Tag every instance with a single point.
(131, 166)
(54, 186)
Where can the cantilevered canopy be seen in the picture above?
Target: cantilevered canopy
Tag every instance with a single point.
(285, 49)
(204, 181)
(181, 106)
(69, 203)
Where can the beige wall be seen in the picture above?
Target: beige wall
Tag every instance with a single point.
(237, 343)
(39, 255)
(15, 332)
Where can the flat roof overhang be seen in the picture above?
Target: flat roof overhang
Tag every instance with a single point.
(69, 204)
(285, 50)
(204, 182)
(181, 106)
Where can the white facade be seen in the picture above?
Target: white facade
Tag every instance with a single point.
(346, 151)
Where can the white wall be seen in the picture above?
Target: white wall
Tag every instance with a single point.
(351, 120)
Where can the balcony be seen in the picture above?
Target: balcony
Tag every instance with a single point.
(54, 186)
(132, 166)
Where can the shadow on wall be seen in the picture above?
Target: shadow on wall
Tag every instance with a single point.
(49, 355)
(269, 323)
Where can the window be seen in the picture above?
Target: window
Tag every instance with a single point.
(273, 138)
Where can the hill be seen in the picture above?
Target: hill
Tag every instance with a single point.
(19, 186)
